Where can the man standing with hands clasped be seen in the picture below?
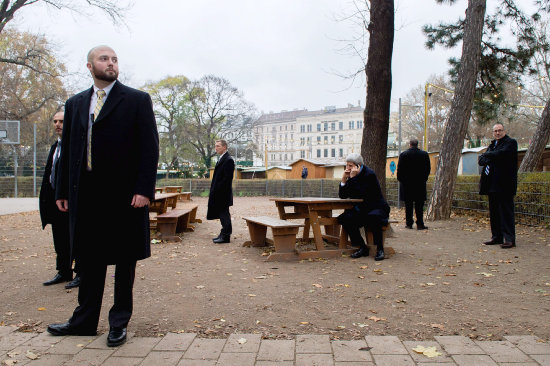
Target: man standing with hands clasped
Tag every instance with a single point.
(499, 180)
(107, 179)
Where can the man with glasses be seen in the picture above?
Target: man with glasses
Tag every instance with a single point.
(499, 180)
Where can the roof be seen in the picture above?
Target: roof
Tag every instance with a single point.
(316, 162)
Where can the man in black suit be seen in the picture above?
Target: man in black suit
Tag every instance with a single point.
(359, 181)
(107, 179)
(50, 214)
(221, 192)
(413, 170)
(499, 180)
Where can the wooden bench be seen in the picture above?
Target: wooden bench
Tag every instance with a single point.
(185, 196)
(172, 222)
(284, 235)
(193, 207)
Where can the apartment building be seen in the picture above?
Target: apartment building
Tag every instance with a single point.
(326, 135)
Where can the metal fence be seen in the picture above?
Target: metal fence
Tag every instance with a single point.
(532, 202)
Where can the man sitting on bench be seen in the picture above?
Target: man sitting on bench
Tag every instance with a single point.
(359, 181)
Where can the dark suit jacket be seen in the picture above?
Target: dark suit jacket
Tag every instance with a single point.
(365, 185)
(49, 214)
(502, 160)
(413, 170)
(221, 192)
(103, 224)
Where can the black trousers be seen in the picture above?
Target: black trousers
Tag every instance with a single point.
(225, 220)
(62, 244)
(419, 211)
(501, 212)
(352, 221)
(90, 295)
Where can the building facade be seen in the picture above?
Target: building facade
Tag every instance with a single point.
(327, 135)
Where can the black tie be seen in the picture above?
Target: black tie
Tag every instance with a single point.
(55, 161)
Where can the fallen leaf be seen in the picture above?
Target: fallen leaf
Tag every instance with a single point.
(304, 323)
(241, 340)
(199, 286)
(376, 319)
(438, 326)
(41, 309)
(251, 295)
(31, 355)
(427, 351)
(317, 285)
(486, 274)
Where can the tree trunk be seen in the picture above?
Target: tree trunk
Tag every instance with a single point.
(540, 139)
(379, 83)
(439, 207)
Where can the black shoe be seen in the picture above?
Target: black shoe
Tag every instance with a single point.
(421, 227)
(493, 242)
(379, 255)
(222, 240)
(363, 252)
(508, 245)
(216, 238)
(74, 283)
(409, 226)
(116, 337)
(58, 278)
(65, 329)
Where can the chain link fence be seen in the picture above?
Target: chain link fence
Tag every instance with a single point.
(532, 201)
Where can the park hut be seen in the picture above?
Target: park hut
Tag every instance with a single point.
(335, 170)
(467, 165)
(391, 164)
(278, 172)
(315, 169)
(544, 162)
(255, 172)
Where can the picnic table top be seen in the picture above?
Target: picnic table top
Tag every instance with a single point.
(307, 200)
(162, 196)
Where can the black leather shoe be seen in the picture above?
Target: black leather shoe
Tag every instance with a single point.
(379, 255)
(363, 252)
(65, 329)
(492, 242)
(58, 278)
(421, 227)
(221, 240)
(508, 244)
(216, 238)
(74, 283)
(409, 226)
(116, 337)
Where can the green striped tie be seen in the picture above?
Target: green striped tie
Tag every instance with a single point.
(100, 95)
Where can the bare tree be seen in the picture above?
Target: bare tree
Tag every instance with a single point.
(440, 202)
(8, 8)
(540, 138)
(379, 83)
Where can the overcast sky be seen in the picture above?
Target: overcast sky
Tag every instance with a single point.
(282, 54)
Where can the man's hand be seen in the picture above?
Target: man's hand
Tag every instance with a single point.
(62, 205)
(139, 201)
(354, 171)
(346, 175)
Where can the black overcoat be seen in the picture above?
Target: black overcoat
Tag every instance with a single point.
(46, 202)
(413, 170)
(365, 185)
(502, 160)
(125, 149)
(221, 192)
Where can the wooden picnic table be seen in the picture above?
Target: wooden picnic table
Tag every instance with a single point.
(317, 212)
(173, 189)
(161, 202)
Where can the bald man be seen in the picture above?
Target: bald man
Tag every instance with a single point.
(107, 179)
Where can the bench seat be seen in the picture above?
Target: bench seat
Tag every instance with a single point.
(172, 222)
(284, 233)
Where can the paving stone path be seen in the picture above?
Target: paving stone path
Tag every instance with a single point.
(186, 349)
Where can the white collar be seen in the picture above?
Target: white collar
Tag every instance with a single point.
(107, 89)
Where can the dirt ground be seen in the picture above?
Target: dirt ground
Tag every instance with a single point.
(440, 282)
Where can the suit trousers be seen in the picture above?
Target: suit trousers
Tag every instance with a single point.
(419, 211)
(501, 212)
(225, 220)
(62, 244)
(90, 295)
(352, 221)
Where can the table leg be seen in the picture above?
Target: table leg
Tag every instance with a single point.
(316, 228)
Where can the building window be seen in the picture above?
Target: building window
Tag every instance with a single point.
(292, 127)
(333, 153)
(318, 153)
(326, 153)
(340, 125)
(318, 127)
(318, 140)
(302, 141)
(341, 153)
(291, 157)
(309, 140)
(333, 126)
(302, 154)
(332, 139)
(341, 139)
(308, 128)
(326, 140)
(302, 128)
(359, 124)
(351, 125)
(325, 126)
